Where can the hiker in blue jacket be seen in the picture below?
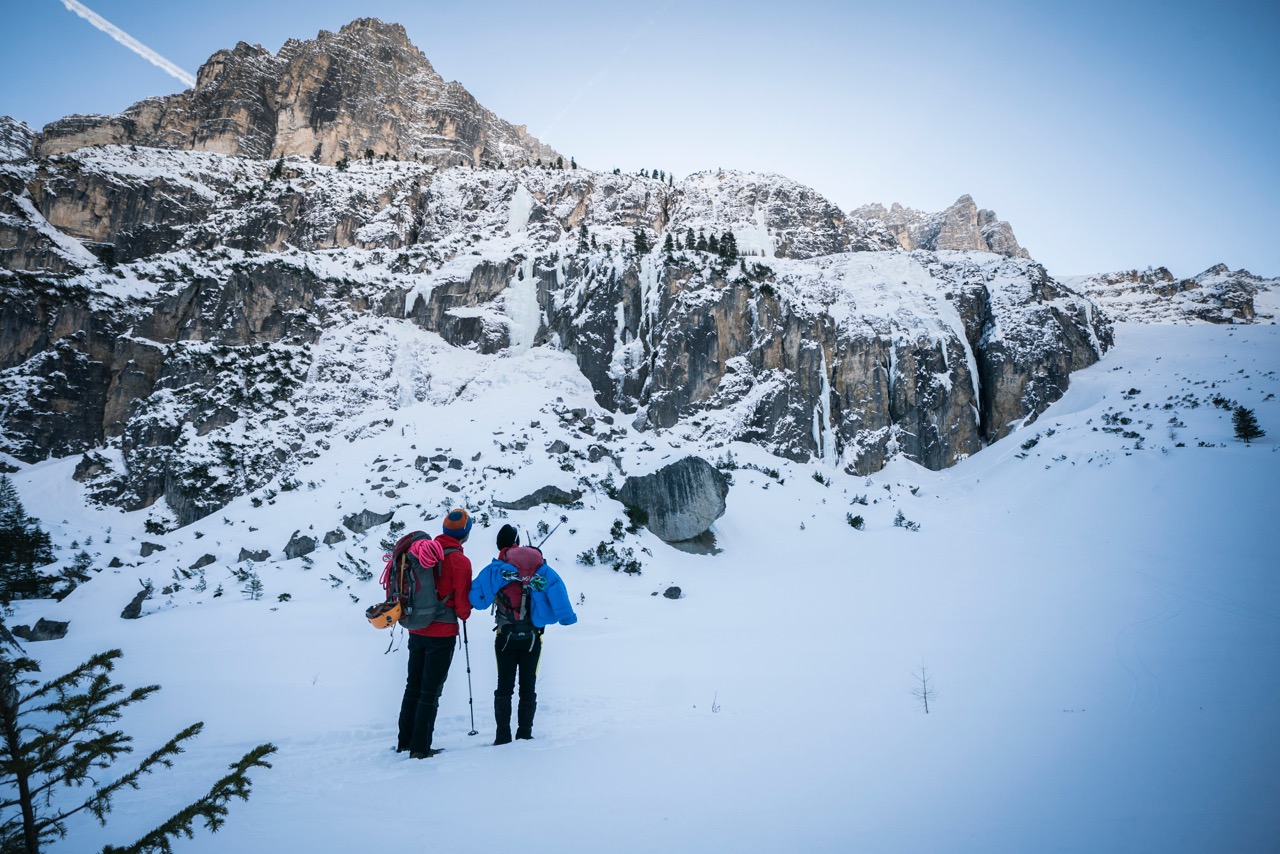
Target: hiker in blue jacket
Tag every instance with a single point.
(527, 596)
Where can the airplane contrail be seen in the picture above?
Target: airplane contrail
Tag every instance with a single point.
(129, 41)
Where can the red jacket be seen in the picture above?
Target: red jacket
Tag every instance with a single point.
(454, 585)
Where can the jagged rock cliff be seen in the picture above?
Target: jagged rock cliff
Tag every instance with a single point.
(199, 321)
(340, 95)
(962, 226)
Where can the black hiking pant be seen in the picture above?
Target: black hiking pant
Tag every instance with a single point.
(429, 660)
(516, 658)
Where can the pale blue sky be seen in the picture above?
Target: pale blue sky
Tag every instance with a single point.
(1110, 134)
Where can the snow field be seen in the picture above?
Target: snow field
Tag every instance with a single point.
(1099, 621)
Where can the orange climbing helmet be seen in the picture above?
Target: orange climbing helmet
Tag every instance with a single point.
(384, 615)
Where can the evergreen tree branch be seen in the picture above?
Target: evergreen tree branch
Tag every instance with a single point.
(99, 803)
(212, 808)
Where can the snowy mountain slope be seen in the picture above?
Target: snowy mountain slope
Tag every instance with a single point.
(1091, 595)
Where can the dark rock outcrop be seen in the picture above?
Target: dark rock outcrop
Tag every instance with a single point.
(679, 501)
(358, 523)
(255, 555)
(299, 545)
(133, 610)
(545, 495)
(43, 630)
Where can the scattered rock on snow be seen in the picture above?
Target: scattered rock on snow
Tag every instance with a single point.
(149, 549)
(672, 592)
(299, 545)
(43, 630)
(256, 556)
(204, 561)
(334, 536)
(133, 610)
(545, 495)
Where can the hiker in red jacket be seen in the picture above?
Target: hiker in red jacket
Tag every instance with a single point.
(431, 648)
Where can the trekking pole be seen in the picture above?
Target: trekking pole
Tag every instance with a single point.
(466, 648)
(563, 519)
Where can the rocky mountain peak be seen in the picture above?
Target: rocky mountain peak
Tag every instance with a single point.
(363, 91)
(963, 226)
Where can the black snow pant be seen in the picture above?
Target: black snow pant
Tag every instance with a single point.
(429, 660)
(516, 657)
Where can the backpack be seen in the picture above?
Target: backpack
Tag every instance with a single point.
(413, 584)
(512, 605)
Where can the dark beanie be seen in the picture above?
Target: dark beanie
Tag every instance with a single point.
(457, 524)
(508, 537)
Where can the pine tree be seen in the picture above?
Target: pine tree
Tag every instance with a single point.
(728, 246)
(689, 241)
(642, 242)
(56, 740)
(669, 245)
(713, 245)
(573, 164)
(583, 237)
(560, 163)
(277, 171)
(1246, 425)
(701, 245)
(23, 547)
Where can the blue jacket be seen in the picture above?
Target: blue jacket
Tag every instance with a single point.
(545, 606)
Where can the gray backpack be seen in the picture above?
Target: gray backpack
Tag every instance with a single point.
(416, 588)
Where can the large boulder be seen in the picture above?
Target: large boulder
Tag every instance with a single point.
(43, 630)
(680, 501)
(299, 544)
(358, 523)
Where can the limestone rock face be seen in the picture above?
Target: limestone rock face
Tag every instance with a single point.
(963, 226)
(221, 283)
(364, 88)
(682, 500)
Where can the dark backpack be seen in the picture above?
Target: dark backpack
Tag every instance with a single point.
(513, 607)
(414, 586)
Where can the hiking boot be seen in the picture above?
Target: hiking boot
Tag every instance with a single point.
(431, 751)
(503, 738)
